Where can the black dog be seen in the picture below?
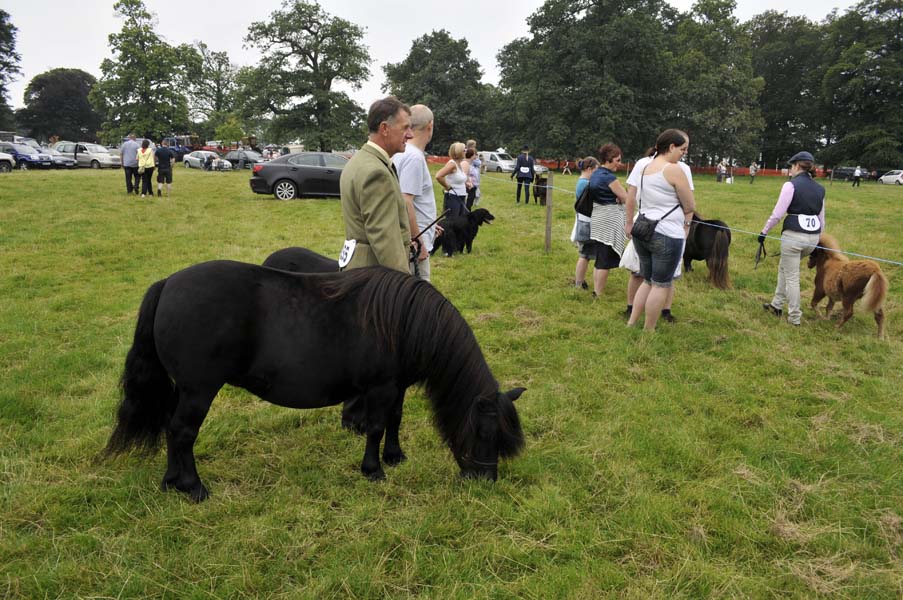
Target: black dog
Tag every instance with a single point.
(459, 232)
(709, 241)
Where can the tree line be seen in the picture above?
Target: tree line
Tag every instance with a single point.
(588, 72)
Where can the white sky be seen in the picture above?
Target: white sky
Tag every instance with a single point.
(73, 33)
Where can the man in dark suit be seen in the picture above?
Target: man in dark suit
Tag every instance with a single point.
(524, 169)
(377, 231)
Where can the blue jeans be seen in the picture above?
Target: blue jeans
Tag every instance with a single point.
(659, 258)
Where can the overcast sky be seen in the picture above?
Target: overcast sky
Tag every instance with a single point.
(73, 34)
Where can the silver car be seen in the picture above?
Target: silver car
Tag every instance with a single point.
(198, 158)
(89, 155)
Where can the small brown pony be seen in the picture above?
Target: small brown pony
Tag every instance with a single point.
(841, 279)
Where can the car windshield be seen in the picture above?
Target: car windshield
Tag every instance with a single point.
(253, 155)
(97, 149)
(50, 151)
(23, 149)
(503, 156)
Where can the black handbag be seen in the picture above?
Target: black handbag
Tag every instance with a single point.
(584, 204)
(644, 227)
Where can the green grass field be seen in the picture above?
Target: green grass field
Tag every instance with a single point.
(726, 455)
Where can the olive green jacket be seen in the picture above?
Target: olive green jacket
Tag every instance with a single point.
(374, 211)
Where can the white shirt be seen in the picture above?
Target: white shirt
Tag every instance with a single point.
(673, 224)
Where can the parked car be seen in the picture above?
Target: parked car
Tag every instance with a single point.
(843, 173)
(299, 174)
(58, 160)
(197, 159)
(892, 177)
(251, 158)
(502, 162)
(25, 157)
(7, 162)
(89, 155)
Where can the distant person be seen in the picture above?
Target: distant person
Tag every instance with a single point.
(566, 168)
(208, 162)
(377, 228)
(128, 154)
(801, 204)
(857, 176)
(586, 247)
(753, 171)
(166, 157)
(146, 168)
(416, 185)
(453, 177)
(476, 169)
(720, 171)
(524, 171)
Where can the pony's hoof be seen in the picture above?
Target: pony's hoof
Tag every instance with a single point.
(395, 458)
(377, 475)
(199, 493)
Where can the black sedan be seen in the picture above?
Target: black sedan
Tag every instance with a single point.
(250, 158)
(299, 174)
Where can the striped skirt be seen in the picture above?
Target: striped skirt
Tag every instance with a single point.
(607, 226)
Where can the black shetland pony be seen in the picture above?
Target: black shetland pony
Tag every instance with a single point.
(709, 241)
(308, 341)
(301, 260)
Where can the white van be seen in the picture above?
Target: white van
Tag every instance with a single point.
(497, 162)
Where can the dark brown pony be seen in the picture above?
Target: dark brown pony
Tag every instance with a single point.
(846, 281)
(709, 241)
(308, 341)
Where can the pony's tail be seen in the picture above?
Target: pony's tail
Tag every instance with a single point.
(875, 292)
(148, 394)
(717, 261)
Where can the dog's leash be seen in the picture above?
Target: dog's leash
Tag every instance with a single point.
(415, 251)
(760, 254)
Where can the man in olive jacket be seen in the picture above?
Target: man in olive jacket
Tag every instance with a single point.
(373, 208)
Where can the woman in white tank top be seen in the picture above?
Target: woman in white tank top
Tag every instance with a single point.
(453, 178)
(663, 195)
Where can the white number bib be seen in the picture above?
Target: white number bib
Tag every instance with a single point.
(346, 253)
(525, 170)
(809, 222)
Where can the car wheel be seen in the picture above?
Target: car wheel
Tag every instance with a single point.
(898, 182)
(23, 166)
(95, 164)
(187, 165)
(285, 190)
(5, 167)
(498, 169)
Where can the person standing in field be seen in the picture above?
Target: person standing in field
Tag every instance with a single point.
(377, 228)
(416, 186)
(165, 156)
(146, 168)
(857, 176)
(802, 206)
(524, 170)
(586, 247)
(753, 171)
(128, 154)
(453, 178)
(607, 223)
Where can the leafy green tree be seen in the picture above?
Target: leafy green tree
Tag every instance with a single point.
(141, 90)
(306, 52)
(56, 103)
(212, 84)
(718, 95)
(9, 67)
(230, 131)
(863, 86)
(787, 56)
(439, 72)
(589, 73)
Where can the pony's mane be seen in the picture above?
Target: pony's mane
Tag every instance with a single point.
(433, 342)
(834, 251)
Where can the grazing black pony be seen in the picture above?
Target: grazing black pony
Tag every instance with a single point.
(711, 244)
(459, 231)
(308, 341)
(301, 260)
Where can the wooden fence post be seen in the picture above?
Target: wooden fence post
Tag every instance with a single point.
(549, 213)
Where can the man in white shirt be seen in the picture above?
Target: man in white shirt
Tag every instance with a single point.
(417, 185)
(633, 183)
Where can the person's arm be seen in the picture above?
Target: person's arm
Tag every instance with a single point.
(412, 223)
(780, 208)
(379, 214)
(821, 215)
(446, 170)
(465, 168)
(676, 177)
(630, 209)
(619, 191)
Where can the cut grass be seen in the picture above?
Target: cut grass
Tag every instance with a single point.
(726, 455)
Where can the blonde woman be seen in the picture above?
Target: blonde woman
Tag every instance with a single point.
(146, 168)
(454, 179)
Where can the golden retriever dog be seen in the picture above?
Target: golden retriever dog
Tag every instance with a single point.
(846, 281)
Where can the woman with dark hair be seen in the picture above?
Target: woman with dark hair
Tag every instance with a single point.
(802, 206)
(586, 247)
(146, 168)
(607, 227)
(663, 189)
